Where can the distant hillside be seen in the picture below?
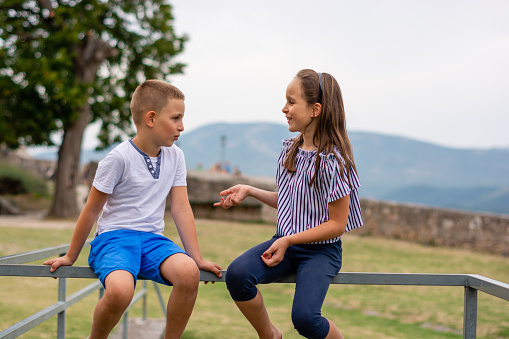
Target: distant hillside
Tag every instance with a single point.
(490, 199)
(392, 168)
(389, 167)
(388, 163)
(252, 148)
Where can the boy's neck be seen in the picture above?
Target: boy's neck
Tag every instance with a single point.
(150, 150)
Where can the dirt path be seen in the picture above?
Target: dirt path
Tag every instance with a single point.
(38, 220)
(35, 221)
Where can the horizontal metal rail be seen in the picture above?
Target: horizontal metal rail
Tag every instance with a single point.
(47, 313)
(37, 254)
(13, 266)
(487, 285)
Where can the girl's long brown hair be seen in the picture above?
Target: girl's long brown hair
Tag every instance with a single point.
(331, 125)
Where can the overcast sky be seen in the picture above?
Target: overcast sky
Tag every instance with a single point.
(435, 70)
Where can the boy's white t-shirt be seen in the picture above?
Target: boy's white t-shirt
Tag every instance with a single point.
(138, 186)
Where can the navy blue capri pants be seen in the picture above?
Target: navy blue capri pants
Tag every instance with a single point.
(314, 264)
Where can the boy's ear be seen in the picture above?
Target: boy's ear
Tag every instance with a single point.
(149, 118)
(317, 109)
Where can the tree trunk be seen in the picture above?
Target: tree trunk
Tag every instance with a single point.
(68, 174)
(89, 56)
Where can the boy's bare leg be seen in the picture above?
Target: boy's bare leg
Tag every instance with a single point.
(334, 332)
(117, 296)
(182, 272)
(255, 312)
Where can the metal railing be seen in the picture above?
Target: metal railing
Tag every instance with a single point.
(14, 266)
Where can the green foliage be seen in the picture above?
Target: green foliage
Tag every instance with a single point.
(30, 182)
(58, 56)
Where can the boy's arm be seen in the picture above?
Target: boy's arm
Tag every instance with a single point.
(236, 194)
(184, 220)
(88, 216)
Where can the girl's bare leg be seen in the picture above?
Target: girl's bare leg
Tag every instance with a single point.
(255, 312)
(334, 332)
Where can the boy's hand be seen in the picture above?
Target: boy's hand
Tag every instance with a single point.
(234, 196)
(57, 262)
(211, 267)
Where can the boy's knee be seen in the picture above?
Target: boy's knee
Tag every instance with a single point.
(187, 275)
(119, 295)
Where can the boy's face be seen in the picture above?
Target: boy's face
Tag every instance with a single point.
(168, 123)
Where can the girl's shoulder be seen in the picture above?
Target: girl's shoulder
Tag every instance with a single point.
(288, 141)
(332, 157)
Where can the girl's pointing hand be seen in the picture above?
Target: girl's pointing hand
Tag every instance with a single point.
(233, 196)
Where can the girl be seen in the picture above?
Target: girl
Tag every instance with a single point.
(317, 202)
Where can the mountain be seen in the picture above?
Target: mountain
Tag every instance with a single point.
(386, 161)
(252, 148)
(490, 199)
(389, 167)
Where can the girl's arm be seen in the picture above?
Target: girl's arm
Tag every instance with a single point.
(236, 194)
(95, 203)
(334, 227)
(184, 221)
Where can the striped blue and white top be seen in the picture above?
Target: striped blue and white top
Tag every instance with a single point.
(301, 207)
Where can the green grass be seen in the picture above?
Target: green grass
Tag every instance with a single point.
(359, 311)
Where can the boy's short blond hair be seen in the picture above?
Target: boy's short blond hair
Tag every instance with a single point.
(152, 95)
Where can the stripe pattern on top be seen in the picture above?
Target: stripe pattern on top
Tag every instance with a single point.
(301, 207)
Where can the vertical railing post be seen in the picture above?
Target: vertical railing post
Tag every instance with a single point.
(470, 313)
(145, 300)
(160, 296)
(62, 295)
(125, 325)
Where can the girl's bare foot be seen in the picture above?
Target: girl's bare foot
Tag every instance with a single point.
(277, 334)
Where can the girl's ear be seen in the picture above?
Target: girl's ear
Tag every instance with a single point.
(317, 109)
(149, 118)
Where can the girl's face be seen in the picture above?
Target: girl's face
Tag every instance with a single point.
(299, 114)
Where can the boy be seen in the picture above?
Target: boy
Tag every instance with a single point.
(130, 188)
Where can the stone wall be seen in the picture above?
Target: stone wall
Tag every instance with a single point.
(436, 226)
(427, 225)
(204, 188)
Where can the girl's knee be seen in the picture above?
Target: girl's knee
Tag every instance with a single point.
(309, 324)
(237, 274)
(240, 282)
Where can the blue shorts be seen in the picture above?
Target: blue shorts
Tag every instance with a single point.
(140, 253)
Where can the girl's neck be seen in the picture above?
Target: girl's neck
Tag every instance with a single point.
(308, 136)
(307, 144)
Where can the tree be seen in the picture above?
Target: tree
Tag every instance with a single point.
(67, 63)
